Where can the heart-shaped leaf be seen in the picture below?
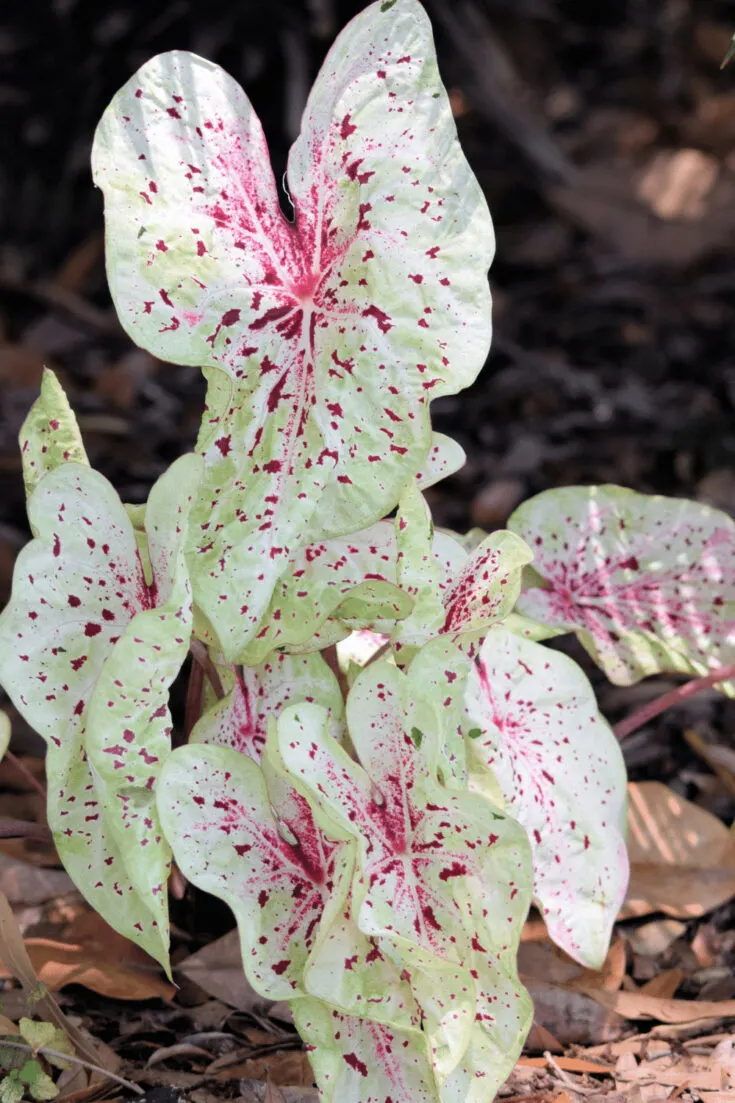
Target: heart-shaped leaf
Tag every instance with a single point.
(419, 845)
(88, 649)
(255, 694)
(258, 850)
(323, 339)
(356, 1060)
(647, 583)
(535, 725)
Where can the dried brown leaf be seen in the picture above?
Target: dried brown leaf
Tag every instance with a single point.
(573, 1017)
(272, 1093)
(15, 956)
(665, 984)
(682, 857)
(29, 885)
(544, 961)
(638, 1005)
(179, 1049)
(217, 969)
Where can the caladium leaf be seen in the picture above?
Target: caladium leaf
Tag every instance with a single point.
(480, 589)
(320, 578)
(530, 629)
(438, 675)
(475, 1018)
(485, 590)
(87, 650)
(323, 339)
(260, 852)
(537, 727)
(128, 724)
(647, 583)
(351, 579)
(503, 1019)
(359, 1061)
(254, 694)
(355, 974)
(418, 573)
(445, 457)
(50, 434)
(418, 844)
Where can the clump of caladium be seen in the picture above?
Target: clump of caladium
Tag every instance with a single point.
(382, 765)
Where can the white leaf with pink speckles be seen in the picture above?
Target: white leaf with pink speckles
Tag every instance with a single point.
(418, 574)
(438, 675)
(445, 458)
(50, 434)
(70, 649)
(254, 694)
(356, 974)
(647, 583)
(485, 590)
(128, 723)
(419, 844)
(479, 589)
(351, 579)
(325, 338)
(260, 852)
(536, 725)
(503, 1017)
(359, 1061)
(476, 1017)
(320, 578)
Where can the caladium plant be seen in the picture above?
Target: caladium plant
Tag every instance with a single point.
(380, 766)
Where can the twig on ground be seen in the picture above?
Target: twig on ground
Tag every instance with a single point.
(75, 1061)
(566, 1079)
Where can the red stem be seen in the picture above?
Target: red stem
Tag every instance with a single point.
(23, 829)
(329, 654)
(647, 712)
(201, 656)
(193, 706)
(23, 769)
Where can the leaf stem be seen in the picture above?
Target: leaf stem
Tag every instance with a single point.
(75, 1061)
(646, 712)
(329, 654)
(23, 769)
(193, 706)
(201, 656)
(25, 829)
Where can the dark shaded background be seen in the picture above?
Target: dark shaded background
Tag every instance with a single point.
(602, 133)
